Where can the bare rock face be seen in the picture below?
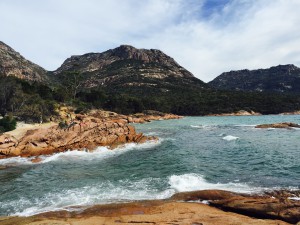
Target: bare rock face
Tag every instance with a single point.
(283, 205)
(81, 133)
(151, 115)
(144, 117)
(127, 66)
(239, 113)
(94, 62)
(285, 125)
(13, 64)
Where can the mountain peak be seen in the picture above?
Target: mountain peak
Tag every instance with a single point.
(13, 63)
(125, 63)
(281, 78)
(287, 67)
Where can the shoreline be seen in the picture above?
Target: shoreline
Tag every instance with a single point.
(184, 207)
(77, 132)
(197, 207)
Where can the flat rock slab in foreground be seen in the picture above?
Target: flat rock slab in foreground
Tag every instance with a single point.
(282, 205)
(151, 212)
(271, 208)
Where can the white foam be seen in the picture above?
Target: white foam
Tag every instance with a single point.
(14, 161)
(98, 153)
(107, 192)
(118, 191)
(294, 198)
(194, 182)
(230, 138)
(245, 125)
(152, 133)
(205, 127)
(295, 128)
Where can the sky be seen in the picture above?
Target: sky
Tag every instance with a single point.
(207, 37)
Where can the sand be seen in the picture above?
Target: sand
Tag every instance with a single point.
(22, 128)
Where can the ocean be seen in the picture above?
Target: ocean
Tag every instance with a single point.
(193, 153)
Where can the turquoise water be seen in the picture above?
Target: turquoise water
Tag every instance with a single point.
(193, 153)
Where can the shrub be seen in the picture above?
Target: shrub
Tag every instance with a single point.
(7, 123)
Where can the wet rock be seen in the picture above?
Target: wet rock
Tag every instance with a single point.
(203, 195)
(273, 205)
(285, 125)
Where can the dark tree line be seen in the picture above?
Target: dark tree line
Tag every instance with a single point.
(32, 102)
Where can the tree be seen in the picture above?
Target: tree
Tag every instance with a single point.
(73, 82)
(7, 123)
(8, 87)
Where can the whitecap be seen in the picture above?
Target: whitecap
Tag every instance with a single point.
(195, 182)
(230, 138)
(152, 133)
(294, 198)
(203, 126)
(15, 161)
(71, 155)
(99, 152)
(102, 193)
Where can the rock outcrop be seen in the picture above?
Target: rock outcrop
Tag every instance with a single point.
(239, 113)
(183, 208)
(82, 132)
(285, 125)
(291, 113)
(282, 205)
(13, 64)
(128, 67)
(145, 116)
(151, 115)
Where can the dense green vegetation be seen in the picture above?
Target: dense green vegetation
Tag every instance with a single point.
(7, 123)
(34, 102)
(180, 97)
(31, 102)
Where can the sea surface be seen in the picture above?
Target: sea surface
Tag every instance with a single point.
(193, 153)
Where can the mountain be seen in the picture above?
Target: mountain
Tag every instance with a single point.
(13, 64)
(280, 79)
(129, 80)
(128, 67)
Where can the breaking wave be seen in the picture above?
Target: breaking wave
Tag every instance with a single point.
(98, 153)
(230, 138)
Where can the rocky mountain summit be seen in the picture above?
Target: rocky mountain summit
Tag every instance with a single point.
(126, 66)
(13, 64)
(282, 78)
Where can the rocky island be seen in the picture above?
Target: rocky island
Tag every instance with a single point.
(285, 125)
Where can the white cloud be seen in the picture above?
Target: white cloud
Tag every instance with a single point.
(244, 34)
